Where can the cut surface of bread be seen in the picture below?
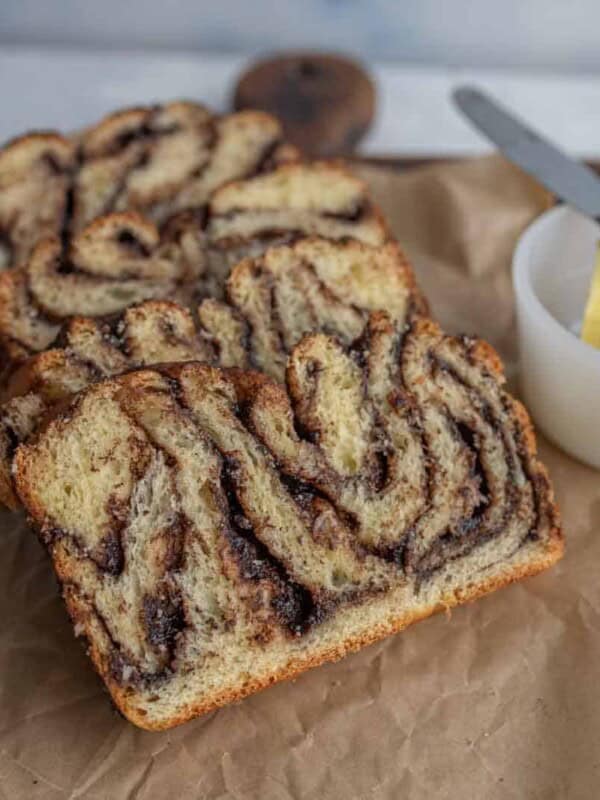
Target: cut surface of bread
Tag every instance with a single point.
(214, 531)
(121, 258)
(294, 200)
(313, 284)
(157, 160)
(118, 260)
(88, 350)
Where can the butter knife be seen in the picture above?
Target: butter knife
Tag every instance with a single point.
(567, 178)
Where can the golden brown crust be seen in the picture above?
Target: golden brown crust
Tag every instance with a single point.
(549, 510)
(484, 352)
(24, 144)
(420, 304)
(31, 375)
(525, 422)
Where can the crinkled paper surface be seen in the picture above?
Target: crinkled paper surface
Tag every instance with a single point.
(500, 700)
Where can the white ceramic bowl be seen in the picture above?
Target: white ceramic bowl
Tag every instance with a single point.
(559, 374)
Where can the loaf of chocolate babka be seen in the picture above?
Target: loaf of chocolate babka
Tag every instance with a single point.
(121, 258)
(313, 284)
(215, 531)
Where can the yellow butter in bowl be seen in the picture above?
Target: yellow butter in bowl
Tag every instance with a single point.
(590, 330)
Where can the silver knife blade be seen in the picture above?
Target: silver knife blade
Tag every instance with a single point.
(564, 176)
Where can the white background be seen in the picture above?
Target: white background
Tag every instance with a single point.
(554, 34)
(63, 63)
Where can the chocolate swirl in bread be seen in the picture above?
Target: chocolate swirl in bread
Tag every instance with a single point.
(215, 532)
(121, 258)
(313, 284)
(114, 262)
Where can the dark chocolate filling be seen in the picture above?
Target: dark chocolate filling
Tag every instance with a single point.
(266, 162)
(163, 620)
(469, 437)
(109, 554)
(293, 604)
(352, 214)
(13, 440)
(67, 219)
(128, 240)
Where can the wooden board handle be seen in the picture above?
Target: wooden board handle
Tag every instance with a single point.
(325, 102)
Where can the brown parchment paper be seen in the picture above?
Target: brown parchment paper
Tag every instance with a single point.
(500, 700)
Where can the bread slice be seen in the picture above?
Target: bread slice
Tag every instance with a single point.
(157, 160)
(313, 284)
(116, 261)
(163, 159)
(215, 532)
(293, 201)
(121, 258)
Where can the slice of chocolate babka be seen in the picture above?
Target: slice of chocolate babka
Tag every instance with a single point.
(293, 201)
(215, 532)
(157, 160)
(116, 261)
(273, 300)
(121, 258)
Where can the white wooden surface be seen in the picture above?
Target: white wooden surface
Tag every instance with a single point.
(67, 89)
